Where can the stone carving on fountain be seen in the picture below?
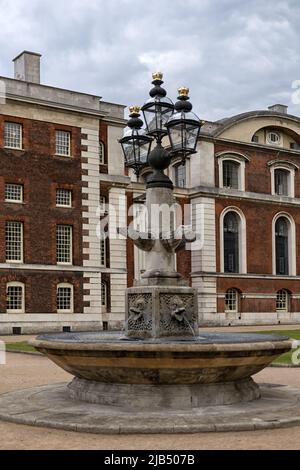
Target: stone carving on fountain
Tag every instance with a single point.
(161, 304)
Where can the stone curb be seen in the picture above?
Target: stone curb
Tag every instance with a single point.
(8, 351)
(140, 429)
(290, 366)
(50, 407)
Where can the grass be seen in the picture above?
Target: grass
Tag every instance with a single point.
(285, 358)
(20, 347)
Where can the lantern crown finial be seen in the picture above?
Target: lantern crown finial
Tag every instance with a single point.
(134, 110)
(157, 76)
(183, 91)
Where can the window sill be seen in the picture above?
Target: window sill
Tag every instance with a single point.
(13, 202)
(18, 312)
(14, 262)
(63, 207)
(15, 148)
(64, 156)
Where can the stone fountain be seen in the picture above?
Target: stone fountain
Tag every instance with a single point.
(161, 361)
(160, 374)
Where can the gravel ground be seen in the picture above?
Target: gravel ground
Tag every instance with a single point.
(23, 371)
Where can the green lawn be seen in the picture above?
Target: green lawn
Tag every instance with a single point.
(286, 358)
(20, 347)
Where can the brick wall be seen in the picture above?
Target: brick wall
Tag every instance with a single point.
(41, 172)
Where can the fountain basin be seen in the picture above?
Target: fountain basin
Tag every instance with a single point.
(212, 369)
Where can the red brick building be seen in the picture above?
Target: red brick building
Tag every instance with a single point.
(59, 164)
(245, 178)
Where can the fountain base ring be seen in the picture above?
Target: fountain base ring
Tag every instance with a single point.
(184, 397)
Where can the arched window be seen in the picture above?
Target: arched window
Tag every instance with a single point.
(231, 170)
(281, 182)
(282, 246)
(231, 300)
(282, 301)
(101, 153)
(180, 175)
(231, 243)
(103, 294)
(64, 298)
(15, 297)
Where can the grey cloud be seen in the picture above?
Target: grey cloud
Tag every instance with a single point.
(234, 55)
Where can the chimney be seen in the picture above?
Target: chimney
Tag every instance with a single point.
(27, 67)
(278, 108)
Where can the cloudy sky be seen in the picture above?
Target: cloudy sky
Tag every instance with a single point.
(235, 55)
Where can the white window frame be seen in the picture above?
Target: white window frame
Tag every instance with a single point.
(104, 292)
(291, 243)
(69, 263)
(16, 284)
(20, 126)
(242, 239)
(15, 201)
(103, 262)
(71, 198)
(102, 204)
(270, 142)
(101, 153)
(287, 301)
(283, 165)
(65, 285)
(237, 158)
(172, 173)
(22, 243)
(236, 292)
(69, 144)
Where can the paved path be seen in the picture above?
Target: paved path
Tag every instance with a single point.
(22, 371)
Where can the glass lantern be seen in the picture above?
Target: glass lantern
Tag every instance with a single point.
(184, 127)
(135, 144)
(158, 109)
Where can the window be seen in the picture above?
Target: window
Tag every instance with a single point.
(282, 246)
(14, 242)
(15, 298)
(103, 294)
(255, 139)
(64, 244)
(13, 192)
(180, 176)
(145, 176)
(103, 252)
(274, 138)
(101, 153)
(282, 182)
(102, 202)
(231, 174)
(231, 300)
(64, 298)
(63, 143)
(294, 146)
(231, 243)
(64, 198)
(282, 301)
(13, 135)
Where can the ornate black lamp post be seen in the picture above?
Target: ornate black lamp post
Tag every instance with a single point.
(161, 304)
(162, 118)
